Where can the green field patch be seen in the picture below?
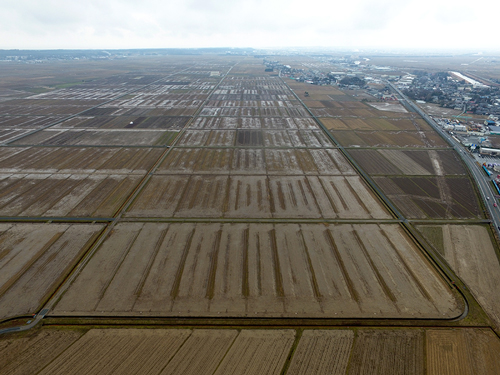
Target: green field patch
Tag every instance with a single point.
(434, 234)
(166, 138)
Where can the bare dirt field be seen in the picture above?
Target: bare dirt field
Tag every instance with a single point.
(462, 352)
(8, 109)
(82, 137)
(407, 165)
(30, 353)
(10, 135)
(257, 352)
(336, 109)
(389, 352)
(202, 352)
(104, 351)
(373, 162)
(34, 259)
(26, 122)
(256, 196)
(322, 352)
(425, 139)
(315, 92)
(469, 251)
(255, 161)
(436, 110)
(77, 160)
(75, 195)
(432, 197)
(387, 106)
(273, 270)
(125, 122)
(253, 213)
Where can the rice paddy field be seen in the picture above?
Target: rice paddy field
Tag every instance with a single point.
(199, 215)
(251, 351)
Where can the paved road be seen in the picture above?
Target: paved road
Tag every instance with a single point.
(483, 182)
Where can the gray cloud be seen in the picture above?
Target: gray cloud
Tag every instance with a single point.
(253, 23)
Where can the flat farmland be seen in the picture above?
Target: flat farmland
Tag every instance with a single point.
(259, 352)
(251, 351)
(83, 137)
(338, 109)
(432, 197)
(295, 138)
(26, 122)
(145, 111)
(462, 352)
(105, 351)
(334, 124)
(322, 352)
(389, 352)
(125, 122)
(73, 195)
(253, 138)
(257, 196)
(7, 109)
(34, 259)
(373, 162)
(396, 162)
(9, 135)
(256, 123)
(470, 253)
(34, 351)
(161, 100)
(44, 100)
(402, 138)
(255, 161)
(282, 270)
(232, 221)
(315, 92)
(389, 106)
(77, 160)
(287, 161)
(384, 124)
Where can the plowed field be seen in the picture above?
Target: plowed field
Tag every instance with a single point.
(462, 352)
(322, 352)
(426, 139)
(251, 351)
(54, 195)
(77, 160)
(433, 198)
(256, 196)
(118, 137)
(469, 251)
(34, 259)
(274, 270)
(393, 162)
(388, 352)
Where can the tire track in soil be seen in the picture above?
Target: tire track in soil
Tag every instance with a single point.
(150, 263)
(380, 279)
(345, 273)
(278, 278)
(174, 292)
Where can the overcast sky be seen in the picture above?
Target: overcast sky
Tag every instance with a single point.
(105, 24)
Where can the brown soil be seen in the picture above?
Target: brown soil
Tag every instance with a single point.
(322, 352)
(194, 270)
(34, 259)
